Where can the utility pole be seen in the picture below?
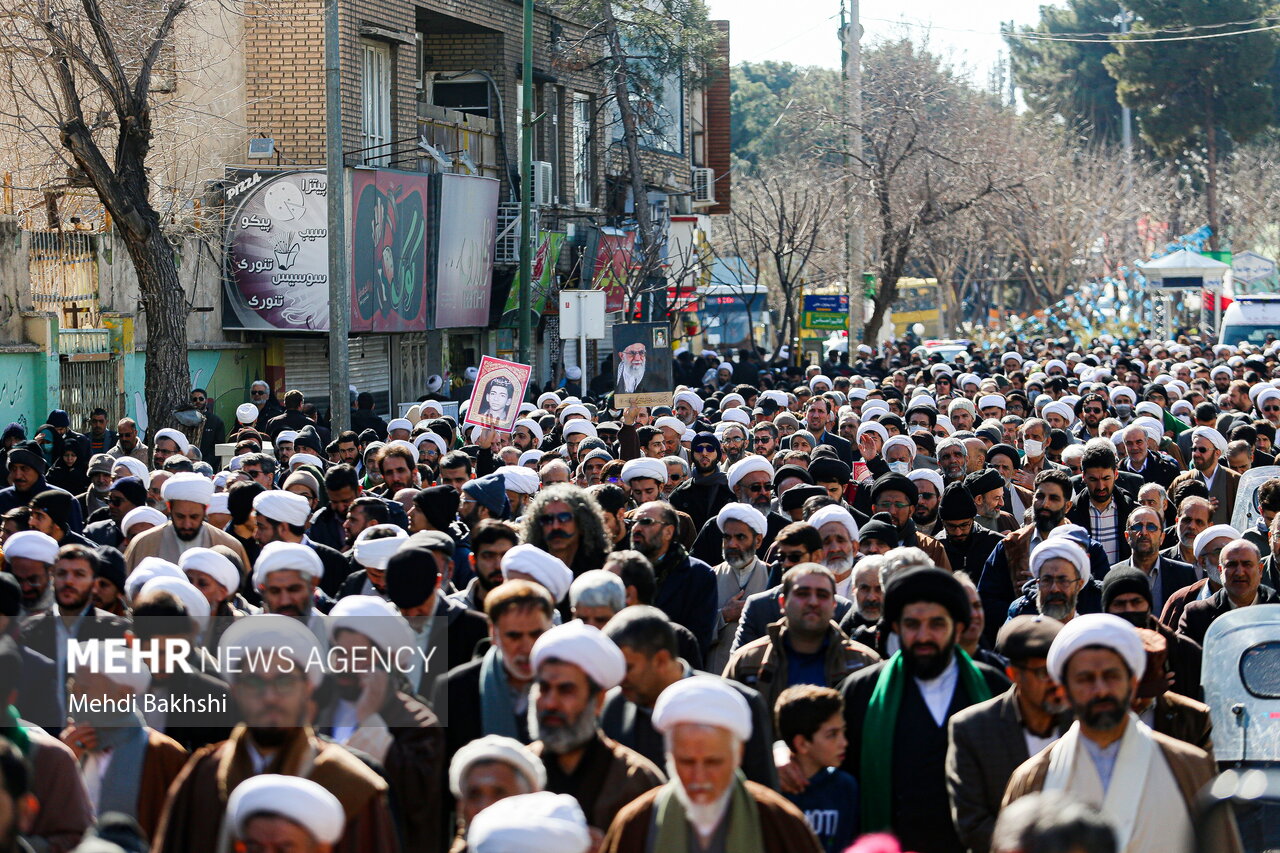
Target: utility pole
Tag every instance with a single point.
(335, 195)
(1126, 115)
(526, 192)
(851, 39)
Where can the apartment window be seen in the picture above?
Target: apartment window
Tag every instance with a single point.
(376, 91)
(582, 165)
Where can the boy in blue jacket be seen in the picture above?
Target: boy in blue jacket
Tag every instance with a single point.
(810, 720)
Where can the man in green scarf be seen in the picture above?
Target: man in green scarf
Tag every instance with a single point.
(896, 712)
(708, 806)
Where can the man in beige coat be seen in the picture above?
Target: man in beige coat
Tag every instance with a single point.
(187, 497)
(1108, 757)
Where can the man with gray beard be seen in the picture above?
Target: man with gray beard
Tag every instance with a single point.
(1061, 568)
(742, 574)
(574, 666)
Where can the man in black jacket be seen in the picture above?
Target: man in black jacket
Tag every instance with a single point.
(817, 418)
(648, 642)
(707, 490)
(363, 417)
(906, 753)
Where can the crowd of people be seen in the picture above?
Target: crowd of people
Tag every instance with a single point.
(887, 602)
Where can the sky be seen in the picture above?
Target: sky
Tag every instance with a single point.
(804, 31)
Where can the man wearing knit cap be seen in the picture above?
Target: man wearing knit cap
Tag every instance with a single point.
(706, 805)
(707, 489)
(1126, 592)
(896, 712)
(274, 693)
(187, 499)
(967, 543)
(1147, 782)
(988, 741)
(574, 666)
(49, 513)
(26, 467)
(281, 516)
(1208, 447)
(484, 497)
(896, 495)
(125, 495)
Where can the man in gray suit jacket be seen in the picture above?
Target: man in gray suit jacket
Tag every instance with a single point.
(989, 741)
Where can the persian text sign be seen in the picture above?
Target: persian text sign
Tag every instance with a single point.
(277, 254)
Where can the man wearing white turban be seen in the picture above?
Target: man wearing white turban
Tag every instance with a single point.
(706, 804)
(281, 516)
(285, 811)
(1108, 757)
(1207, 449)
(574, 666)
(274, 737)
(742, 574)
(187, 497)
(372, 710)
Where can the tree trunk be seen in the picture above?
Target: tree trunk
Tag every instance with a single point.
(1211, 174)
(167, 374)
(631, 141)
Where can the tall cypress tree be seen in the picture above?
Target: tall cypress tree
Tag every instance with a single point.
(1196, 93)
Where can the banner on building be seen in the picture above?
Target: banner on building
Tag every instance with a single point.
(467, 217)
(546, 255)
(277, 250)
(389, 250)
(609, 252)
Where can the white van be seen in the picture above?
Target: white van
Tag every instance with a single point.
(1249, 319)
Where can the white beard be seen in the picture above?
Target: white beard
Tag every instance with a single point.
(703, 818)
(839, 565)
(629, 377)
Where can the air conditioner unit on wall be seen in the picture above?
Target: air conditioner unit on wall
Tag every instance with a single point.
(544, 185)
(704, 186)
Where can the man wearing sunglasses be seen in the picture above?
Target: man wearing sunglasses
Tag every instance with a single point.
(686, 585)
(706, 491)
(1144, 532)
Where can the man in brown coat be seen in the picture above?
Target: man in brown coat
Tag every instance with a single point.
(805, 632)
(707, 804)
(269, 654)
(574, 666)
(1108, 757)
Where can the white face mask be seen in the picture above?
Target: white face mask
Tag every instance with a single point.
(1035, 449)
(899, 467)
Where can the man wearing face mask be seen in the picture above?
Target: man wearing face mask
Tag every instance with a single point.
(1126, 593)
(1035, 441)
(1123, 400)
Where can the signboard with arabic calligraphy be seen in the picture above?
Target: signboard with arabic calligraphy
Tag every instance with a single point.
(277, 249)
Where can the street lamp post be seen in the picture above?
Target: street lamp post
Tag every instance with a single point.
(526, 191)
(339, 293)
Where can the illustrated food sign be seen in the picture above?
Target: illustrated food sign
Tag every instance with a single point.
(277, 251)
(389, 251)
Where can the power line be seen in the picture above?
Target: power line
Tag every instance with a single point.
(1099, 37)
